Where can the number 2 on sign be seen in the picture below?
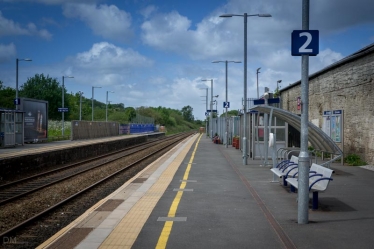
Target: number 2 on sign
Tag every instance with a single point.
(303, 48)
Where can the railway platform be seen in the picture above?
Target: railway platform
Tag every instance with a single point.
(34, 156)
(199, 195)
(36, 148)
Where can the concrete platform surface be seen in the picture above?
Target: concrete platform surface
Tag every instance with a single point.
(200, 195)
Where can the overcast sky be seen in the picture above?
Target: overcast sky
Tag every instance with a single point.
(156, 52)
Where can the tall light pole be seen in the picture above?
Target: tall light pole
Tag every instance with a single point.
(245, 15)
(258, 71)
(63, 102)
(17, 101)
(278, 82)
(215, 101)
(106, 109)
(206, 103)
(227, 122)
(93, 100)
(211, 108)
(80, 105)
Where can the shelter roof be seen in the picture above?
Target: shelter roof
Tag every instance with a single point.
(318, 138)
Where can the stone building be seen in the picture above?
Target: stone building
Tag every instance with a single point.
(346, 85)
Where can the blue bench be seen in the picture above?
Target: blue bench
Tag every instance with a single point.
(319, 178)
(285, 168)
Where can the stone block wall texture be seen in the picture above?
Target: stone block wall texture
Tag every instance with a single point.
(348, 87)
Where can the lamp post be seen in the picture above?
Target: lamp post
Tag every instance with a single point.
(16, 101)
(245, 15)
(106, 109)
(278, 82)
(215, 101)
(206, 108)
(80, 105)
(227, 123)
(211, 108)
(258, 71)
(93, 100)
(63, 102)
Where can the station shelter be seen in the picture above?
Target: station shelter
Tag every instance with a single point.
(11, 128)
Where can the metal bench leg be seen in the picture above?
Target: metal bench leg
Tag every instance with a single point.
(284, 181)
(315, 201)
(293, 189)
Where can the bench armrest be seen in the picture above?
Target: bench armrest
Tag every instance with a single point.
(292, 168)
(279, 165)
(310, 176)
(320, 179)
(284, 167)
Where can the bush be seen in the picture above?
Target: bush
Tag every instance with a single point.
(354, 160)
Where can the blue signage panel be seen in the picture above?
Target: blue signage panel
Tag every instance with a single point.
(226, 104)
(304, 42)
(17, 101)
(273, 100)
(262, 101)
(63, 109)
(258, 101)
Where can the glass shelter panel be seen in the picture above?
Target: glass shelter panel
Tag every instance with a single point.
(276, 126)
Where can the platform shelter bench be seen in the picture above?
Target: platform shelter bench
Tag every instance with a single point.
(319, 178)
(285, 168)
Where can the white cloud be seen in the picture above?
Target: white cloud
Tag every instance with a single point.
(10, 28)
(172, 32)
(158, 80)
(327, 57)
(108, 64)
(106, 56)
(54, 2)
(146, 12)
(105, 20)
(7, 52)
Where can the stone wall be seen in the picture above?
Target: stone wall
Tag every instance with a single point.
(348, 87)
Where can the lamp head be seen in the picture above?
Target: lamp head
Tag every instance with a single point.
(264, 15)
(226, 15)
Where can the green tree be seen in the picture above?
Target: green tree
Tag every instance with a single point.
(276, 93)
(130, 113)
(7, 96)
(187, 113)
(230, 113)
(45, 88)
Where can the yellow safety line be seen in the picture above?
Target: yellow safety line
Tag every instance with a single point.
(164, 236)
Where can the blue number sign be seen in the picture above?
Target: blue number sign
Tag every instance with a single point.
(305, 42)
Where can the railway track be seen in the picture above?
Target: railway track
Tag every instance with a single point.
(32, 187)
(17, 189)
